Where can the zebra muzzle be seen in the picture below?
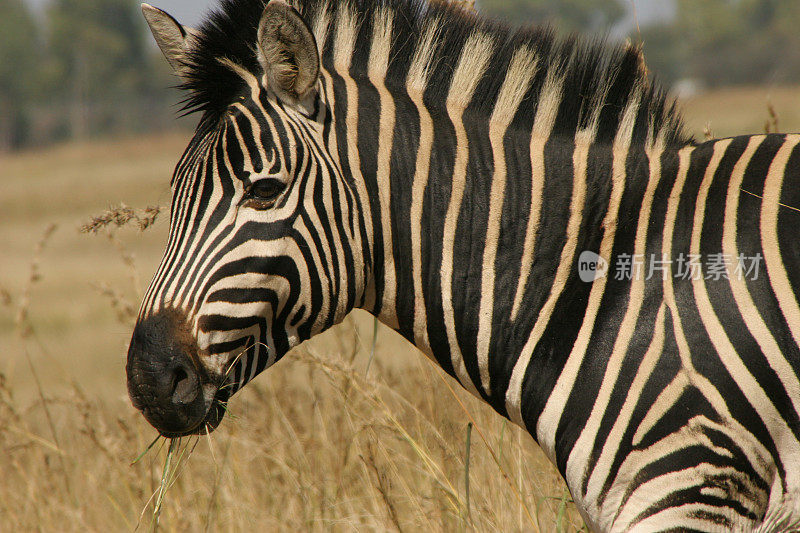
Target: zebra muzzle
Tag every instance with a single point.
(165, 380)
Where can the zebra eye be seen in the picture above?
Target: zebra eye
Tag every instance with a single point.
(266, 190)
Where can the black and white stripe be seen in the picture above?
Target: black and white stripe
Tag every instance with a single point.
(446, 176)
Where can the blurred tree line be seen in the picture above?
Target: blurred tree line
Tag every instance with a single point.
(711, 42)
(82, 68)
(728, 42)
(569, 15)
(86, 67)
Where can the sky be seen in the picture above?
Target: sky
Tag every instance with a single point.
(191, 11)
(186, 11)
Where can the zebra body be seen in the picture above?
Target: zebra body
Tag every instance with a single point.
(448, 175)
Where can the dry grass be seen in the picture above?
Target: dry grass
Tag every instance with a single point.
(317, 443)
(736, 111)
(318, 446)
(120, 216)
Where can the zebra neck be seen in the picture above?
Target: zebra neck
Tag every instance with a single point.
(475, 220)
(482, 231)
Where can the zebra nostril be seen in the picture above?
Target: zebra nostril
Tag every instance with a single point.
(164, 381)
(184, 386)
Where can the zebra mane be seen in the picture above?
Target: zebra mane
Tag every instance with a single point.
(597, 80)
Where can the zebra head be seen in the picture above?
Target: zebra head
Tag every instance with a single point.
(266, 243)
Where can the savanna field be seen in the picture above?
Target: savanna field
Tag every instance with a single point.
(354, 430)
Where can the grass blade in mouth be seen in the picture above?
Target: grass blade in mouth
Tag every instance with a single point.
(176, 458)
(226, 409)
(166, 475)
(150, 447)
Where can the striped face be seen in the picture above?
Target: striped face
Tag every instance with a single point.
(254, 263)
(253, 213)
(266, 233)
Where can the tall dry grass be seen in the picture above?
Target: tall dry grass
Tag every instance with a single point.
(317, 444)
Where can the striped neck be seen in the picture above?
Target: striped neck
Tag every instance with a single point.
(485, 174)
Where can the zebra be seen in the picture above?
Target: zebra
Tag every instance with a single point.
(475, 187)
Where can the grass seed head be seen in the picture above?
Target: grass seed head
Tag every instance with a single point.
(121, 216)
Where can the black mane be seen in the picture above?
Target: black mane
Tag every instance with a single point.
(595, 72)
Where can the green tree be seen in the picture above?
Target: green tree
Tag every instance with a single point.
(100, 57)
(570, 15)
(20, 61)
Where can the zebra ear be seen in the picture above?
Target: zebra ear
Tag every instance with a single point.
(287, 52)
(174, 39)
